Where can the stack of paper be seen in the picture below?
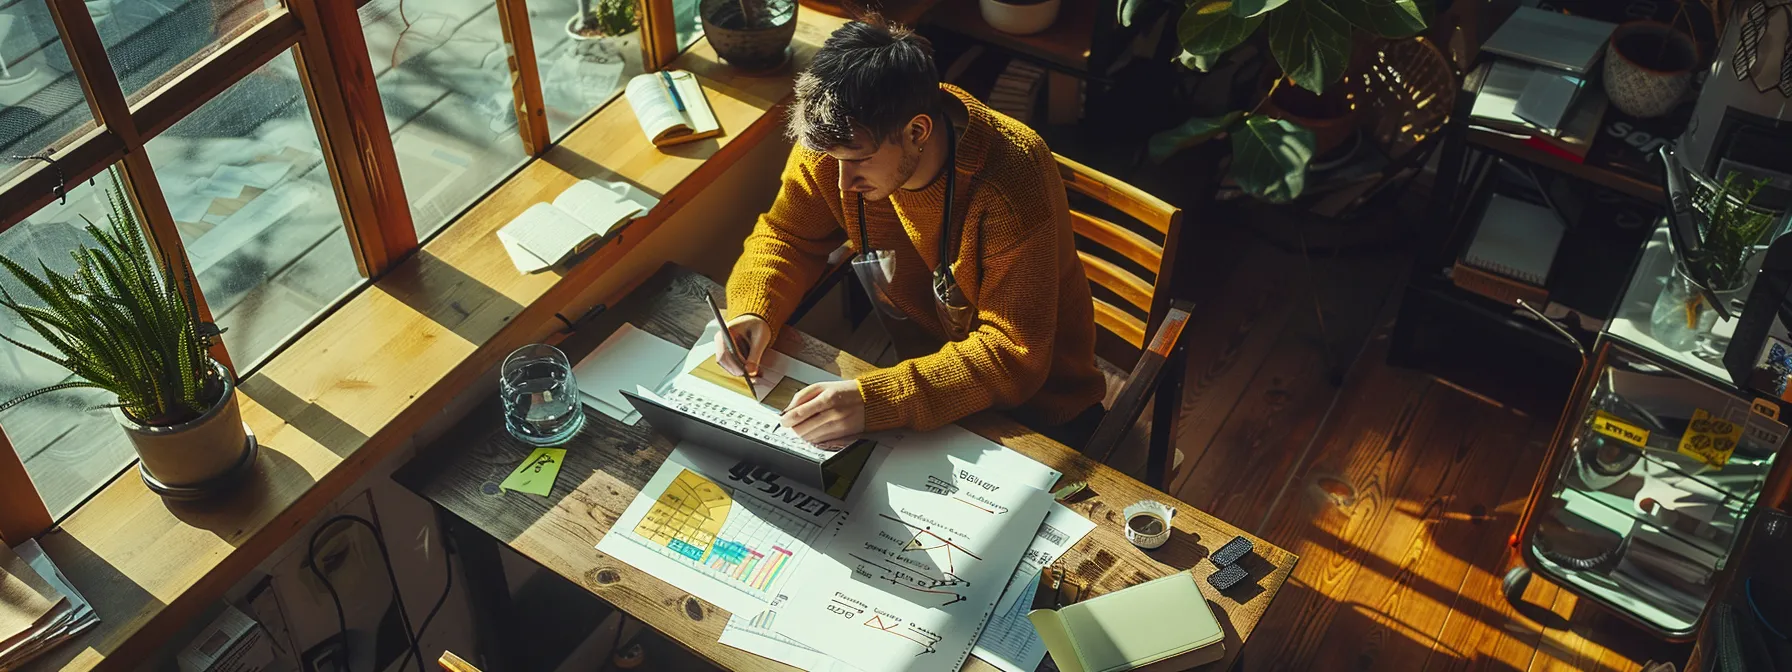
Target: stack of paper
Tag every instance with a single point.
(629, 358)
(38, 607)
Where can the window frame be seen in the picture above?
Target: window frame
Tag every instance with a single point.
(337, 75)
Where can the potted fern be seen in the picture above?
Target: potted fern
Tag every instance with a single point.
(1732, 226)
(125, 323)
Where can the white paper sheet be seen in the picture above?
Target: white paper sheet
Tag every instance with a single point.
(909, 581)
(1062, 529)
(1009, 641)
(730, 533)
(629, 357)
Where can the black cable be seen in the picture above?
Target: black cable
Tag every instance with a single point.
(391, 575)
(447, 585)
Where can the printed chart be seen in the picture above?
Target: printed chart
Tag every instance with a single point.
(691, 523)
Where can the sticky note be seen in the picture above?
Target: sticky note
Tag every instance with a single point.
(1620, 430)
(536, 474)
(1708, 439)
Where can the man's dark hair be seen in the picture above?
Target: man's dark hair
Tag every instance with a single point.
(870, 73)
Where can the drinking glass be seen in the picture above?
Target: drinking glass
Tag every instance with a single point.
(541, 398)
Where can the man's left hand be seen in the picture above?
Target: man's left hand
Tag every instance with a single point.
(826, 412)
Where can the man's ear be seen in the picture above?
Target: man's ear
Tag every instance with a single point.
(918, 130)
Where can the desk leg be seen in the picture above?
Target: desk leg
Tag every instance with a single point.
(488, 593)
(1064, 101)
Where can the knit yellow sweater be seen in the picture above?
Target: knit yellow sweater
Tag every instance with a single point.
(1034, 346)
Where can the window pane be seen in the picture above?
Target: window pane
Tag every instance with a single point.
(246, 181)
(445, 85)
(147, 41)
(41, 101)
(69, 448)
(578, 74)
(686, 23)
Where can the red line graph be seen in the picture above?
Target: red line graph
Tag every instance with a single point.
(876, 622)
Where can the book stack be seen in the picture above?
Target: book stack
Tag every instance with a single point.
(38, 607)
(1016, 89)
(1538, 89)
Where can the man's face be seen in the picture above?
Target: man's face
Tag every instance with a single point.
(877, 169)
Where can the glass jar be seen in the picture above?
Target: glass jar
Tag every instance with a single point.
(1683, 318)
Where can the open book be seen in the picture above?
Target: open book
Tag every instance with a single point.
(547, 233)
(672, 114)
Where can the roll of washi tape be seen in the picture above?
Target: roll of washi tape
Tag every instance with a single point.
(1148, 523)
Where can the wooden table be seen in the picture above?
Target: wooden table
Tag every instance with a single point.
(608, 462)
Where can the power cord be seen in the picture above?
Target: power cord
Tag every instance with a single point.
(391, 575)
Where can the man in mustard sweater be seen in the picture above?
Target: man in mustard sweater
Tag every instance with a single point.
(910, 171)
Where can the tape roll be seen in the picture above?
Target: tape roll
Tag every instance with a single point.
(1148, 523)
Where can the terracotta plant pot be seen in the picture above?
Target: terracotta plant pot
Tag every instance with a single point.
(202, 456)
(757, 45)
(1332, 116)
(1019, 17)
(1648, 68)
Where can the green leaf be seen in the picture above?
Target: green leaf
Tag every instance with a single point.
(1192, 61)
(1209, 27)
(1255, 7)
(1269, 158)
(1129, 12)
(1387, 18)
(1311, 42)
(1167, 143)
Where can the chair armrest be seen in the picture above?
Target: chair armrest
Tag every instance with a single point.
(1142, 381)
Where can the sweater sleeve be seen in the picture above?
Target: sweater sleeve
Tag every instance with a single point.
(1006, 358)
(784, 255)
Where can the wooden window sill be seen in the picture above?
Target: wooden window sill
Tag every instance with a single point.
(364, 380)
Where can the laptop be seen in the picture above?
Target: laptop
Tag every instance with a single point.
(833, 474)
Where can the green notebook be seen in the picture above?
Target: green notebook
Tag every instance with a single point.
(1131, 629)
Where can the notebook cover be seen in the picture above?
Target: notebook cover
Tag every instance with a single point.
(1516, 239)
(1135, 627)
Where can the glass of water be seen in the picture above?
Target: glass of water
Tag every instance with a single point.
(541, 398)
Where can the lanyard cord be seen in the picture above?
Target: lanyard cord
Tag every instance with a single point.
(945, 214)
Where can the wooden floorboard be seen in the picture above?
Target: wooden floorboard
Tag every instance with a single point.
(1399, 493)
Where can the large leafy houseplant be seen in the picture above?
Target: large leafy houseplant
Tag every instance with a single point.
(1311, 43)
(124, 321)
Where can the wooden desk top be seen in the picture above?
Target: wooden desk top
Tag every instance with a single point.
(608, 462)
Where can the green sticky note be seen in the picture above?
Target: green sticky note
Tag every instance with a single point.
(536, 474)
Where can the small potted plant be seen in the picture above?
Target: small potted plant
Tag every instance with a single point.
(753, 35)
(1019, 17)
(1683, 317)
(601, 21)
(126, 323)
(1310, 44)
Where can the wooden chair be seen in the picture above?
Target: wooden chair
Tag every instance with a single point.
(1131, 274)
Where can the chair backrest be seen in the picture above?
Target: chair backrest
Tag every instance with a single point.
(1125, 261)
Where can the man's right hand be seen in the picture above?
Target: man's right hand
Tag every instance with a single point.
(752, 335)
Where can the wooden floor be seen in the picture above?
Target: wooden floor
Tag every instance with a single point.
(1398, 491)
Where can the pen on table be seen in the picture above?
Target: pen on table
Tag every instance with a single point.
(733, 348)
(672, 89)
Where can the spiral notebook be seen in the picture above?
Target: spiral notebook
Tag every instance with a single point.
(1516, 239)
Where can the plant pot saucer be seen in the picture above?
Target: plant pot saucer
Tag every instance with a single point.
(216, 486)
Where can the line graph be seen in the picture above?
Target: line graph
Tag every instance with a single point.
(925, 640)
